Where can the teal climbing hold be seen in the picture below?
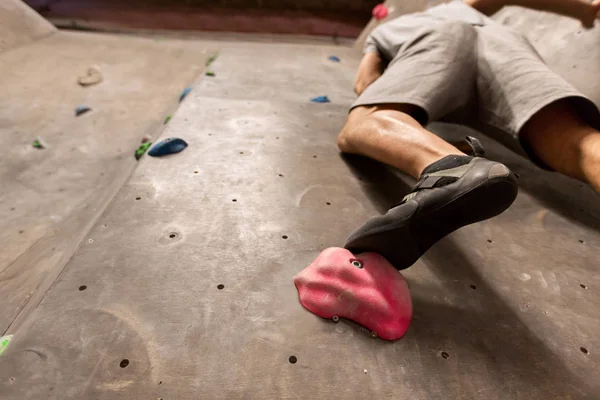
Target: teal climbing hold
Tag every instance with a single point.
(320, 99)
(167, 146)
(185, 92)
(81, 109)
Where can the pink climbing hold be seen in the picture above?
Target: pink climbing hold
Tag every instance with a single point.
(380, 11)
(365, 288)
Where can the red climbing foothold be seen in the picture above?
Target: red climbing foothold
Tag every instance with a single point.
(364, 288)
(380, 11)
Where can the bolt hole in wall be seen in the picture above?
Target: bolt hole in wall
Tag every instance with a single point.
(293, 359)
(489, 240)
(220, 286)
(138, 198)
(234, 200)
(581, 241)
(124, 363)
(473, 287)
(444, 355)
(584, 350)
(583, 286)
(82, 288)
(284, 237)
(172, 235)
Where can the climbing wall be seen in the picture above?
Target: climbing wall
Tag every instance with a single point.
(20, 25)
(51, 196)
(183, 288)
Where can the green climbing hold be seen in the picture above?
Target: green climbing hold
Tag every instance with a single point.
(38, 144)
(142, 150)
(4, 341)
(167, 119)
(211, 59)
(210, 73)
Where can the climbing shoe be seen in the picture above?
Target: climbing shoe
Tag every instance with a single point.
(451, 193)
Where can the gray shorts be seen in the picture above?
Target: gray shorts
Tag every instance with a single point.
(481, 76)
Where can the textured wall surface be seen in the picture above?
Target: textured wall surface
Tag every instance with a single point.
(20, 25)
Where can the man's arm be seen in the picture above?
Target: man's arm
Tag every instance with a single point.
(369, 70)
(586, 12)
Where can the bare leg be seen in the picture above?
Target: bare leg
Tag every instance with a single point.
(561, 139)
(389, 134)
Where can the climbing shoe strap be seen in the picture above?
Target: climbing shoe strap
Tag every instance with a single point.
(475, 145)
(438, 179)
(429, 182)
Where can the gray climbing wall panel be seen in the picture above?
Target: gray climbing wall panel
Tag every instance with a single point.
(20, 25)
(503, 309)
(51, 197)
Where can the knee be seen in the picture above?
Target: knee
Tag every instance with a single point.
(365, 122)
(344, 139)
(350, 133)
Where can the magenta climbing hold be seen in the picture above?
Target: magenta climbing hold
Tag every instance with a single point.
(380, 11)
(364, 288)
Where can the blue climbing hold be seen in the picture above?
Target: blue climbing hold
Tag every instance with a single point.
(334, 58)
(167, 146)
(81, 110)
(185, 92)
(320, 99)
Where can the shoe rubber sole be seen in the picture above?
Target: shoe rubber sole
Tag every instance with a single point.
(404, 244)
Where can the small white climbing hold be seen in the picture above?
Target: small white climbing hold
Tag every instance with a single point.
(365, 370)
(524, 277)
(91, 77)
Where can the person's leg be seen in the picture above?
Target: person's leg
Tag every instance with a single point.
(536, 108)
(432, 77)
(453, 190)
(389, 134)
(561, 139)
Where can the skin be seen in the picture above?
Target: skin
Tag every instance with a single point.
(555, 134)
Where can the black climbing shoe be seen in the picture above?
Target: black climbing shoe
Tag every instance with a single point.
(451, 193)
